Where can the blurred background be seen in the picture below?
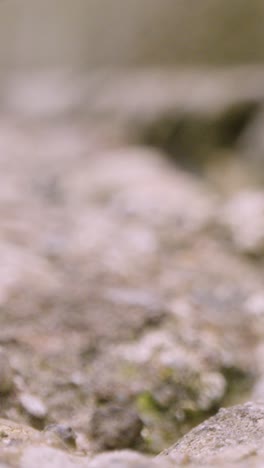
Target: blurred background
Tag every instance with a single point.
(185, 77)
(90, 33)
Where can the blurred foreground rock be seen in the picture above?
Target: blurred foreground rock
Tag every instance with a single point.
(129, 310)
(243, 216)
(232, 438)
(120, 257)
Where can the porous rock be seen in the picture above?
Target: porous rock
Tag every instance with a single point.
(232, 435)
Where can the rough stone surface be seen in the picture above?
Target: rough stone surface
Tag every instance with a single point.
(122, 284)
(233, 435)
(63, 432)
(151, 323)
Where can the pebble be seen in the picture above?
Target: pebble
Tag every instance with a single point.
(115, 427)
(33, 405)
(64, 432)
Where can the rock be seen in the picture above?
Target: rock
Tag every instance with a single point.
(177, 375)
(6, 373)
(47, 457)
(124, 459)
(258, 390)
(115, 427)
(63, 432)
(20, 272)
(255, 304)
(142, 204)
(232, 435)
(15, 434)
(139, 304)
(22, 446)
(243, 216)
(33, 405)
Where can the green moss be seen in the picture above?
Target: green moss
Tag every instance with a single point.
(146, 404)
(239, 386)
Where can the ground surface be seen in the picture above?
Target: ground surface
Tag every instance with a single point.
(130, 283)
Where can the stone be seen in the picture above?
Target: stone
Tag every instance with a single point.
(232, 435)
(22, 446)
(33, 405)
(48, 457)
(243, 217)
(124, 459)
(13, 432)
(63, 432)
(115, 427)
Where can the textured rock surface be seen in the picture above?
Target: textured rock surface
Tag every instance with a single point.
(128, 313)
(105, 256)
(234, 435)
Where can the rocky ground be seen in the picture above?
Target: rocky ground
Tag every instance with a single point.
(131, 275)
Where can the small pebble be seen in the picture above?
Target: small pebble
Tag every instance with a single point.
(33, 405)
(65, 433)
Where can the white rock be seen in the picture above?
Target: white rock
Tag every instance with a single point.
(123, 459)
(47, 457)
(33, 405)
(243, 216)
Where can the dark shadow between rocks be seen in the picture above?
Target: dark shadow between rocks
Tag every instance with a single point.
(190, 139)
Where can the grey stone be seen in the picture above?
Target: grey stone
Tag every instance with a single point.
(233, 434)
(115, 427)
